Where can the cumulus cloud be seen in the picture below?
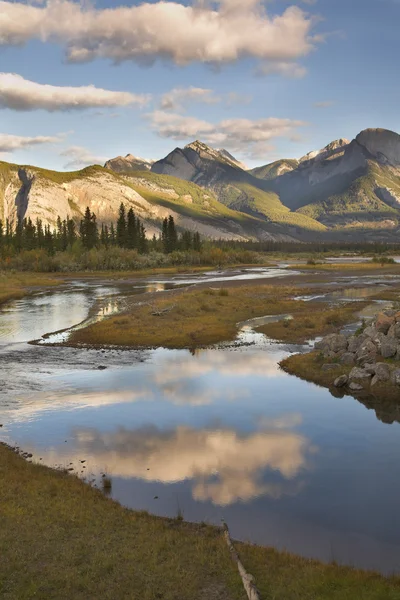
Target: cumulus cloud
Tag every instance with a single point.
(21, 94)
(11, 143)
(249, 137)
(223, 32)
(178, 98)
(79, 157)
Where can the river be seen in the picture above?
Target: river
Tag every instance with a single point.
(215, 434)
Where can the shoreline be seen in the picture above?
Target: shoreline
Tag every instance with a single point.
(94, 547)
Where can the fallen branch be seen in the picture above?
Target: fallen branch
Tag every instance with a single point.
(248, 580)
(159, 313)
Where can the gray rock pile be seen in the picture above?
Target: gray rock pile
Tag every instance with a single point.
(366, 353)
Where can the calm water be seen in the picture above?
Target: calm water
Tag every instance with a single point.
(217, 434)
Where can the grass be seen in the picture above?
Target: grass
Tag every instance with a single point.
(17, 285)
(312, 318)
(367, 266)
(307, 366)
(193, 317)
(62, 539)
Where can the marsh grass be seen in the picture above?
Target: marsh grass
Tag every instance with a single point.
(310, 319)
(193, 317)
(18, 285)
(62, 539)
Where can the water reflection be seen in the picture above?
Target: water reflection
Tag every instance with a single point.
(221, 432)
(224, 465)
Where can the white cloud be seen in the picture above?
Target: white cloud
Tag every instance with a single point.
(221, 33)
(287, 69)
(325, 104)
(80, 157)
(249, 137)
(21, 94)
(178, 98)
(11, 143)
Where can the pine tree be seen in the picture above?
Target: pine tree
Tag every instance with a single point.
(196, 242)
(88, 230)
(121, 227)
(71, 231)
(132, 240)
(112, 235)
(164, 235)
(172, 235)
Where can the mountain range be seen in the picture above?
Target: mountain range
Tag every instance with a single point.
(347, 190)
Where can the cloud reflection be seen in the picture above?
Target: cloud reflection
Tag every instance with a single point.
(224, 465)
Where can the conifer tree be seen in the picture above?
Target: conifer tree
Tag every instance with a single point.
(121, 227)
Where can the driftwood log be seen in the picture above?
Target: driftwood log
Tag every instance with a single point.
(159, 313)
(248, 580)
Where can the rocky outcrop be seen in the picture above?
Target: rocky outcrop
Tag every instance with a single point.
(128, 164)
(366, 352)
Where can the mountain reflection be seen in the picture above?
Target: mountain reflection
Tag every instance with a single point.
(225, 466)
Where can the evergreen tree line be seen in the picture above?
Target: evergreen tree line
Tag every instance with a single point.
(128, 232)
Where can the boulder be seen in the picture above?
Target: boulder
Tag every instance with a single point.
(355, 387)
(370, 331)
(394, 331)
(370, 368)
(395, 377)
(397, 317)
(382, 372)
(335, 342)
(389, 348)
(383, 323)
(341, 381)
(358, 373)
(355, 341)
(367, 347)
(348, 358)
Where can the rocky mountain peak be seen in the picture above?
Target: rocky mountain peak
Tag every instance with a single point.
(327, 151)
(382, 144)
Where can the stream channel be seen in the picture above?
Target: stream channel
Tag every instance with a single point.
(210, 434)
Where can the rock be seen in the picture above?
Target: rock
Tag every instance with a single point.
(341, 381)
(358, 373)
(366, 359)
(367, 347)
(395, 377)
(348, 358)
(383, 323)
(101, 368)
(394, 331)
(397, 317)
(329, 367)
(389, 348)
(370, 368)
(382, 372)
(355, 387)
(370, 331)
(355, 341)
(378, 339)
(334, 342)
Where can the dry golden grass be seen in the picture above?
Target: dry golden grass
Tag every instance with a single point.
(17, 285)
(312, 319)
(367, 266)
(62, 539)
(193, 318)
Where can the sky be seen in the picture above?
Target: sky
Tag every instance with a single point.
(81, 81)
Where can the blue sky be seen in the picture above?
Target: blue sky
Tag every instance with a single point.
(258, 97)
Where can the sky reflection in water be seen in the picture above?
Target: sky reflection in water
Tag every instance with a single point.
(223, 434)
